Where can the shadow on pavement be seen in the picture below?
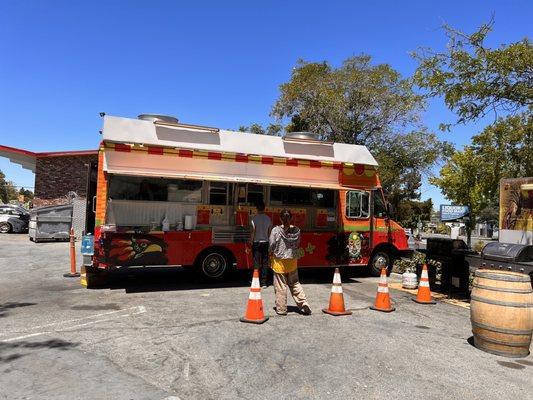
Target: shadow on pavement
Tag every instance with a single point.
(159, 279)
(7, 347)
(5, 307)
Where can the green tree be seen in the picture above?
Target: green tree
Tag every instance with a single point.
(358, 102)
(475, 79)
(366, 104)
(410, 212)
(461, 181)
(403, 160)
(271, 129)
(7, 189)
(28, 194)
(502, 150)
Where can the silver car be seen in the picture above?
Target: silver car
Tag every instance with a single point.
(13, 219)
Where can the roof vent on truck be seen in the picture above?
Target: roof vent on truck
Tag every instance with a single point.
(158, 118)
(304, 137)
(173, 122)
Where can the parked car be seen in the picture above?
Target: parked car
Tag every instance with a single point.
(13, 219)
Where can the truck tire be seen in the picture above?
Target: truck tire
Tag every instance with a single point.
(214, 264)
(5, 227)
(380, 259)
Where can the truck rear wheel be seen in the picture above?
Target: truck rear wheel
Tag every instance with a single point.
(214, 264)
(380, 259)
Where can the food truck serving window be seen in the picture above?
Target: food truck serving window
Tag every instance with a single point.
(219, 193)
(155, 189)
(291, 196)
(357, 204)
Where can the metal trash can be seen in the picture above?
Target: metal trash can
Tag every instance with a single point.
(50, 223)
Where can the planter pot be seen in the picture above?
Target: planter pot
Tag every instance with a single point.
(409, 280)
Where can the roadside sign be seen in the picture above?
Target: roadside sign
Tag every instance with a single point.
(453, 212)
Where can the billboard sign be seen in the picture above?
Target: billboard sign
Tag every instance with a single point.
(453, 213)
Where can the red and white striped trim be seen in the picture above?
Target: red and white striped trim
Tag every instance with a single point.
(357, 169)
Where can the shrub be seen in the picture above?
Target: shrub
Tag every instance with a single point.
(402, 265)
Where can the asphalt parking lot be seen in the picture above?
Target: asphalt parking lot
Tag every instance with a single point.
(165, 334)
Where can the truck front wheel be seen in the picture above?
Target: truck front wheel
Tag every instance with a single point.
(214, 264)
(380, 259)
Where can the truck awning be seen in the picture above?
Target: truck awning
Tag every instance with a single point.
(139, 164)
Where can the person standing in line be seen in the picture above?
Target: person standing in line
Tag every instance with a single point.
(284, 243)
(261, 226)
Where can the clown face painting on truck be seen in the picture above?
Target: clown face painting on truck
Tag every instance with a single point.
(169, 193)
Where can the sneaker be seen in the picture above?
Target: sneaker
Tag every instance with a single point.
(280, 313)
(306, 310)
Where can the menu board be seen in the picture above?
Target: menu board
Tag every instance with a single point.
(321, 218)
(202, 215)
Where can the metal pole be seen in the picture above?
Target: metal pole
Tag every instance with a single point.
(72, 273)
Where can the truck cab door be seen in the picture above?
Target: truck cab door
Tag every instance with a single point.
(380, 221)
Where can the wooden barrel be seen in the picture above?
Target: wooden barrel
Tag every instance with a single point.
(501, 312)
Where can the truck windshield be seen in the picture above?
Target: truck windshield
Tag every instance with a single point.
(357, 204)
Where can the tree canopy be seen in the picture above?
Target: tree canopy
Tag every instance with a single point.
(502, 150)
(358, 102)
(410, 212)
(7, 189)
(404, 159)
(474, 79)
(271, 129)
(366, 104)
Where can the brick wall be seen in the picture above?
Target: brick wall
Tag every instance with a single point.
(56, 176)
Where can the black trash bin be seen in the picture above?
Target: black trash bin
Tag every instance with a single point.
(451, 254)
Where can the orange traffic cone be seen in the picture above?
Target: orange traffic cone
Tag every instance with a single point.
(382, 302)
(423, 296)
(336, 298)
(254, 310)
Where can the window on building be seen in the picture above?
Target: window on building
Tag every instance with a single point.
(255, 194)
(155, 189)
(357, 204)
(323, 198)
(220, 193)
(380, 209)
(292, 196)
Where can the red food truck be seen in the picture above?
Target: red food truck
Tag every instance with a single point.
(176, 194)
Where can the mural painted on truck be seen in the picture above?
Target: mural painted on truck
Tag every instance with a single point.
(516, 204)
(131, 250)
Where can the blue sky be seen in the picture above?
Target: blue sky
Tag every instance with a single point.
(208, 62)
